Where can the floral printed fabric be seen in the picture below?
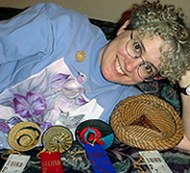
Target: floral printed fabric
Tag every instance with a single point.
(52, 97)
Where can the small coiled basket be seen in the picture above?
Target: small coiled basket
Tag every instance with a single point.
(146, 122)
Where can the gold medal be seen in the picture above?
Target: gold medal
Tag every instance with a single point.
(80, 56)
(57, 139)
(24, 136)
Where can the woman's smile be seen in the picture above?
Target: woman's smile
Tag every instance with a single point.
(118, 67)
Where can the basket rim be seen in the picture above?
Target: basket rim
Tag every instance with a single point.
(142, 138)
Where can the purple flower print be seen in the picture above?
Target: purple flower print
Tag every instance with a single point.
(5, 124)
(4, 127)
(14, 120)
(59, 80)
(45, 125)
(29, 105)
(80, 101)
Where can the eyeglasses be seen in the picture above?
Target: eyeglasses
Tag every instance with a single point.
(145, 70)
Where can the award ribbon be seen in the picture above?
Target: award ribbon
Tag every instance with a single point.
(51, 162)
(56, 140)
(99, 160)
(95, 136)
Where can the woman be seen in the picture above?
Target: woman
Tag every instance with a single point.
(57, 68)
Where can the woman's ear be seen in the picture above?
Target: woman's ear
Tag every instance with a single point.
(123, 27)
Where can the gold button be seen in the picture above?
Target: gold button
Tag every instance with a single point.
(80, 56)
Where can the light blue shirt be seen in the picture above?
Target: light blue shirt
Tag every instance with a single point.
(46, 32)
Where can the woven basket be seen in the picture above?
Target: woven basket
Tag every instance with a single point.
(146, 122)
(24, 136)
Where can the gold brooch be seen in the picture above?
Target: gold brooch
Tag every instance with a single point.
(57, 139)
(80, 56)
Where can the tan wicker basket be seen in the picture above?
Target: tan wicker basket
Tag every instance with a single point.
(24, 136)
(146, 122)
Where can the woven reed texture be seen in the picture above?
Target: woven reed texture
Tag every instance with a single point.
(24, 136)
(146, 122)
(57, 139)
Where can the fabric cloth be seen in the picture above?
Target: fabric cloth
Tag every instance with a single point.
(37, 53)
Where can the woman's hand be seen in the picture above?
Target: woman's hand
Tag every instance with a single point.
(185, 80)
(185, 143)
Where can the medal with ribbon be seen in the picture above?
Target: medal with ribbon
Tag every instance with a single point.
(96, 136)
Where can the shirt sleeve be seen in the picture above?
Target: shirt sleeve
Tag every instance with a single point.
(31, 32)
(24, 35)
(38, 36)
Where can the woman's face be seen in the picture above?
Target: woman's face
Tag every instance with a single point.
(117, 64)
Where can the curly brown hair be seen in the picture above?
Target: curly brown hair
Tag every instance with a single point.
(168, 22)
